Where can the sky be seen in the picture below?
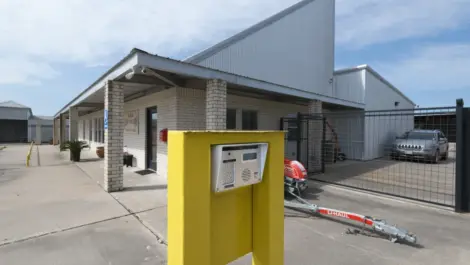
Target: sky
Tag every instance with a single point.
(51, 50)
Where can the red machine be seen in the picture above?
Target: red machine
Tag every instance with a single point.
(295, 176)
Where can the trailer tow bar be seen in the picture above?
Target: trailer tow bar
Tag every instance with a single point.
(379, 226)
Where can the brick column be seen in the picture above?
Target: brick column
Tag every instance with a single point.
(315, 135)
(113, 137)
(62, 126)
(54, 131)
(216, 104)
(73, 123)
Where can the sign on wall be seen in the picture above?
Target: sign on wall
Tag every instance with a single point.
(105, 119)
(131, 121)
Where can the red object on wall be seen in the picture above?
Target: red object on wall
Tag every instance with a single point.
(164, 135)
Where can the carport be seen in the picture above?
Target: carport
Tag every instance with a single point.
(140, 74)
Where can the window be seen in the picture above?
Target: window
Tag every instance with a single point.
(292, 130)
(231, 119)
(90, 133)
(95, 130)
(441, 135)
(83, 129)
(249, 120)
(419, 136)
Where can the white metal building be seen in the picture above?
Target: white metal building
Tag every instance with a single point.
(280, 66)
(40, 129)
(18, 124)
(14, 122)
(365, 135)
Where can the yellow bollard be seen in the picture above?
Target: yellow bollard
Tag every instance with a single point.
(211, 228)
(28, 156)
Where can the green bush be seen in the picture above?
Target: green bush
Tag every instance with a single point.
(75, 147)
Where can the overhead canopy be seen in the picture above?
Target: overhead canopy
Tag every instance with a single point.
(133, 72)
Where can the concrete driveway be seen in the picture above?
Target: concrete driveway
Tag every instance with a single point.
(57, 213)
(53, 213)
(412, 179)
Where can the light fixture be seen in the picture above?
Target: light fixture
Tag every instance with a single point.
(131, 74)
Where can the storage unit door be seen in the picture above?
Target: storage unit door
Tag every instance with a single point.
(13, 131)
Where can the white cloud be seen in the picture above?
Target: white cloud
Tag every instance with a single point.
(39, 34)
(430, 67)
(90, 32)
(24, 71)
(367, 22)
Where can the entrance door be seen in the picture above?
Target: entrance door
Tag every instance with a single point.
(152, 134)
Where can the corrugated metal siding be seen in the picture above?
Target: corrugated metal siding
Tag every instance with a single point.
(14, 114)
(46, 133)
(380, 131)
(350, 86)
(296, 51)
(380, 96)
(349, 128)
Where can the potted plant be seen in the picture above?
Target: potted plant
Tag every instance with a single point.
(75, 148)
(100, 151)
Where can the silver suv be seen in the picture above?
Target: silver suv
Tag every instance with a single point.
(431, 145)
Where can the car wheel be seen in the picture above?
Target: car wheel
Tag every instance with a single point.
(436, 157)
(446, 155)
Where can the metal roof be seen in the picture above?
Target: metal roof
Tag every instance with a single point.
(13, 104)
(245, 33)
(376, 74)
(40, 117)
(142, 58)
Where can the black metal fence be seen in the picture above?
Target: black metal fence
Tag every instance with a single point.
(303, 140)
(408, 153)
(462, 180)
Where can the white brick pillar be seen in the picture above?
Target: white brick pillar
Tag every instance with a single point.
(113, 137)
(315, 136)
(62, 130)
(216, 104)
(73, 123)
(54, 131)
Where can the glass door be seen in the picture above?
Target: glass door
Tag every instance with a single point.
(152, 138)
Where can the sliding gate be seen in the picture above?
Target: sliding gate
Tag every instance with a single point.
(304, 138)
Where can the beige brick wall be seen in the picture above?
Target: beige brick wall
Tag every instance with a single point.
(185, 109)
(191, 109)
(216, 104)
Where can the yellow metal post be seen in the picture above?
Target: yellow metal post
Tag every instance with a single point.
(28, 155)
(215, 229)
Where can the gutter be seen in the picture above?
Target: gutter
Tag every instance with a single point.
(110, 70)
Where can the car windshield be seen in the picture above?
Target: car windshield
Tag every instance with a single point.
(419, 136)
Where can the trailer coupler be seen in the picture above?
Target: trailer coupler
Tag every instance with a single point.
(379, 226)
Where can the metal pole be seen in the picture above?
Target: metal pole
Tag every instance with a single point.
(466, 157)
(323, 146)
(460, 159)
(299, 136)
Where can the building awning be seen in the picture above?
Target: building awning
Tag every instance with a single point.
(169, 72)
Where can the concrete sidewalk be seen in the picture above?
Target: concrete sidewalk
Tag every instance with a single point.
(57, 213)
(53, 213)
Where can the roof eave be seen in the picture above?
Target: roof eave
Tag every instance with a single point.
(376, 74)
(101, 78)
